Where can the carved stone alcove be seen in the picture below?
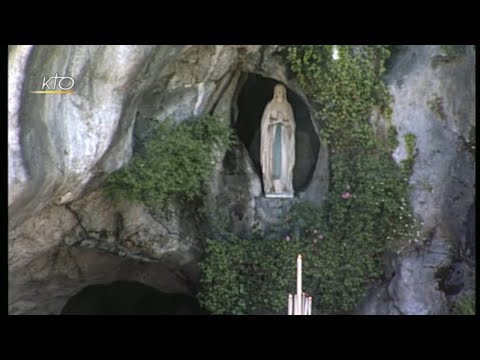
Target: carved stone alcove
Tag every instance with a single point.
(253, 96)
(236, 198)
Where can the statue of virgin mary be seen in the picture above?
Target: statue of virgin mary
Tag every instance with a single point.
(277, 145)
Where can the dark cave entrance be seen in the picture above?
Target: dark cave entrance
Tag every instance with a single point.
(254, 95)
(130, 298)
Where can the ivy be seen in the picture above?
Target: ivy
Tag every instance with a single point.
(368, 190)
(174, 164)
(242, 276)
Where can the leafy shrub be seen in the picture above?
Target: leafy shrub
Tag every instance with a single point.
(174, 164)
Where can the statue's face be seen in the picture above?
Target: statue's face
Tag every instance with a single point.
(279, 91)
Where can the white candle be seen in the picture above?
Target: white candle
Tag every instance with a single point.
(335, 55)
(290, 304)
(298, 300)
(305, 304)
(299, 274)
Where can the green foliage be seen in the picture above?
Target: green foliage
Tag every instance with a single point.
(407, 163)
(174, 164)
(345, 91)
(465, 305)
(365, 213)
(241, 276)
(410, 140)
(392, 137)
(339, 262)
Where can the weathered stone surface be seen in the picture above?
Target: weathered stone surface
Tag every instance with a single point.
(133, 230)
(231, 202)
(436, 103)
(64, 137)
(17, 61)
(414, 289)
(317, 189)
(44, 285)
(270, 211)
(60, 145)
(443, 177)
(38, 235)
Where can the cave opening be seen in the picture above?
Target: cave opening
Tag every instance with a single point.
(130, 298)
(256, 91)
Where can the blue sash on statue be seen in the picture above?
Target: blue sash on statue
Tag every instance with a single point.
(277, 152)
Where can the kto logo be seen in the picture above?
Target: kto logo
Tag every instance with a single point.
(56, 85)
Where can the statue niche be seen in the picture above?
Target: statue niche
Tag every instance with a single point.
(277, 145)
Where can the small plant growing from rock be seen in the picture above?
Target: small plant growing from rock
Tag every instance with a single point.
(448, 54)
(464, 305)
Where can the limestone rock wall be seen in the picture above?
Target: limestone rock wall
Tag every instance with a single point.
(434, 99)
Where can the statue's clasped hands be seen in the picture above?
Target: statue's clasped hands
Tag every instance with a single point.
(278, 119)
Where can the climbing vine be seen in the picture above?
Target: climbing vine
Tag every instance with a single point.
(345, 91)
(367, 206)
(366, 211)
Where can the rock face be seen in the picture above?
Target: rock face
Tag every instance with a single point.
(66, 142)
(44, 284)
(434, 99)
(64, 235)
